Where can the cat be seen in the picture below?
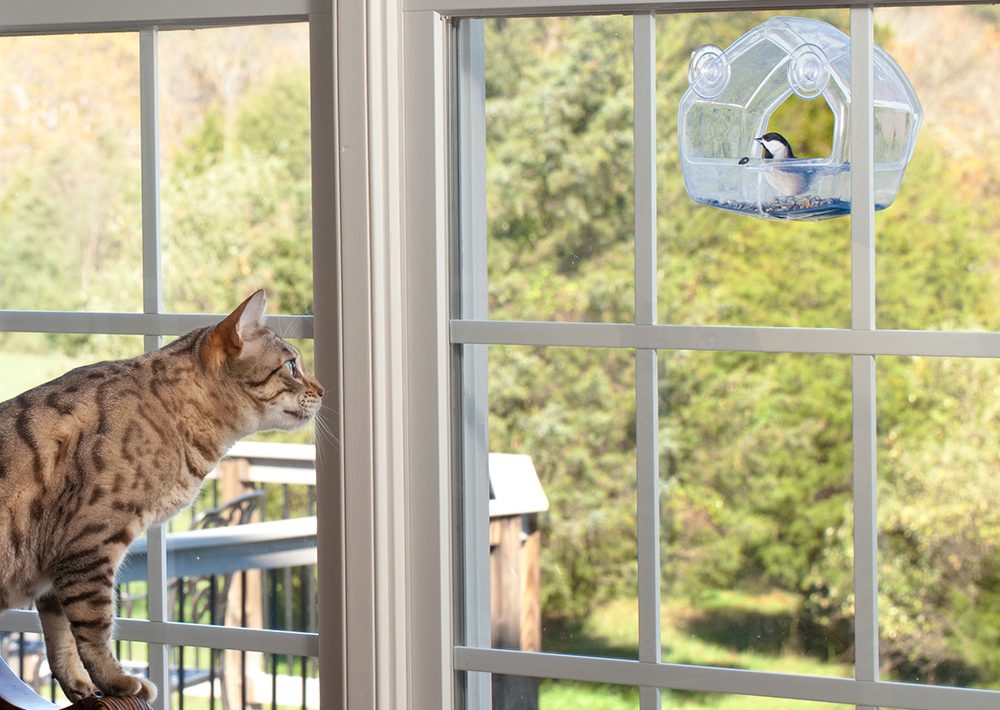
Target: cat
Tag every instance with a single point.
(91, 459)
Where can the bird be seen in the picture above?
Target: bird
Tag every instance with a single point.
(787, 183)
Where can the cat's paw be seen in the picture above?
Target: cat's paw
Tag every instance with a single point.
(78, 689)
(125, 684)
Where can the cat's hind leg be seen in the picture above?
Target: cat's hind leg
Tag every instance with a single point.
(60, 646)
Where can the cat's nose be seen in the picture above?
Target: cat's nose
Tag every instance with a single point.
(319, 390)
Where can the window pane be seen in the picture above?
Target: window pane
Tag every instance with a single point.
(939, 561)
(30, 359)
(572, 411)
(270, 490)
(234, 106)
(550, 694)
(233, 679)
(566, 694)
(559, 168)
(937, 246)
(757, 526)
(267, 484)
(720, 267)
(721, 701)
(70, 188)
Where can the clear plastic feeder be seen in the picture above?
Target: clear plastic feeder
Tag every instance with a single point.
(732, 95)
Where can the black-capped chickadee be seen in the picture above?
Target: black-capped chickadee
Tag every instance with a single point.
(787, 183)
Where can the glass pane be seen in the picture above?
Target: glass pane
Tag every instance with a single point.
(569, 415)
(939, 564)
(24, 653)
(214, 679)
(30, 359)
(236, 191)
(271, 484)
(756, 508)
(941, 234)
(70, 210)
(267, 482)
(549, 694)
(567, 695)
(270, 491)
(720, 267)
(559, 168)
(721, 701)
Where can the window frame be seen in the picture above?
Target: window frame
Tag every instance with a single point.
(346, 373)
(447, 331)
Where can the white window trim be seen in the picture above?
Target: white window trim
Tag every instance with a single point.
(428, 339)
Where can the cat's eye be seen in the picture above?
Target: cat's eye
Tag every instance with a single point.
(292, 368)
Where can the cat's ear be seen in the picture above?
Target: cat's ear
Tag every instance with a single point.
(251, 314)
(228, 336)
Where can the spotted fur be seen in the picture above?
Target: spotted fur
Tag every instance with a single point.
(91, 459)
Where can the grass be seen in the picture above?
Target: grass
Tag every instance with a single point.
(723, 629)
(565, 695)
(23, 371)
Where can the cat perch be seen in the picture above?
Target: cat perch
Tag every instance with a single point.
(15, 695)
(734, 92)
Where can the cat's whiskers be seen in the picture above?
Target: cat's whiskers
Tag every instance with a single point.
(324, 429)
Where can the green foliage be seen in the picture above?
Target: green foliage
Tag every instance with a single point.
(274, 120)
(236, 209)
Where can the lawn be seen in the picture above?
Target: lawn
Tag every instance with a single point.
(692, 634)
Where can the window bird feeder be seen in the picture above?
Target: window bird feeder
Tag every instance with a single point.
(733, 94)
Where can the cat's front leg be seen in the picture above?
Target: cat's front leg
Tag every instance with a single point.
(60, 647)
(89, 609)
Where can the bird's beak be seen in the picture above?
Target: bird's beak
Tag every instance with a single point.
(759, 140)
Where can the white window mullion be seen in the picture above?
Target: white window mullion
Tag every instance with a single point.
(866, 630)
(826, 341)
(425, 393)
(471, 119)
(282, 643)
(152, 303)
(644, 120)
(647, 387)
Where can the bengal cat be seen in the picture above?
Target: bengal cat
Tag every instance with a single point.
(91, 459)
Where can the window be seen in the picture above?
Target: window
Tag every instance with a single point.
(157, 165)
(762, 530)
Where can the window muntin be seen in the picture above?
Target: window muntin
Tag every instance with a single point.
(860, 344)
